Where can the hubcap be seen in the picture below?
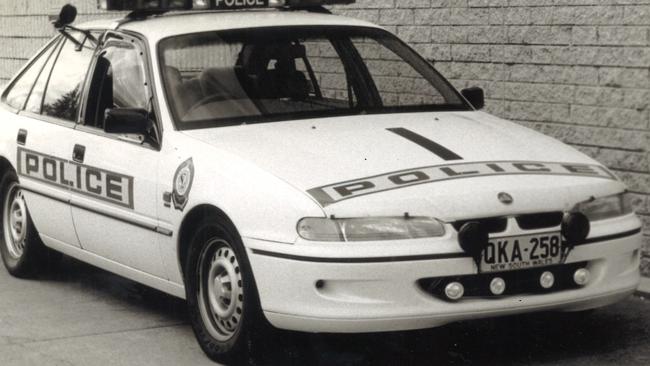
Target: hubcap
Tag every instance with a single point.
(220, 291)
(15, 221)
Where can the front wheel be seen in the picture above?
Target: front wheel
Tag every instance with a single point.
(23, 253)
(222, 299)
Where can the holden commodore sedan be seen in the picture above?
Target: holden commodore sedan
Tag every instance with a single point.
(279, 166)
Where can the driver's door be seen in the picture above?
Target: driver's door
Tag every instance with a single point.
(116, 216)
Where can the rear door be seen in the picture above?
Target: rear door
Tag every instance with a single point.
(44, 160)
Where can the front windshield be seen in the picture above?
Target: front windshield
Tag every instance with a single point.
(272, 74)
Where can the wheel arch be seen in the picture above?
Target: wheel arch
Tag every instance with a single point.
(5, 166)
(191, 220)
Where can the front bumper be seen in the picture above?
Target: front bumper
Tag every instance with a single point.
(322, 295)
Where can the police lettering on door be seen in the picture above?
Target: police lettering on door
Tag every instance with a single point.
(94, 182)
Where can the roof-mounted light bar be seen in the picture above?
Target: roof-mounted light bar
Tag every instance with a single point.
(166, 5)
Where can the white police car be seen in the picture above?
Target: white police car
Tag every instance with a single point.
(298, 168)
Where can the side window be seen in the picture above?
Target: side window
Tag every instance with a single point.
(63, 90)
(119, 81)
(19, 92)
(35, 101)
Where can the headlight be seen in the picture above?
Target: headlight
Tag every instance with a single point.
(606, 207)
(369, 229)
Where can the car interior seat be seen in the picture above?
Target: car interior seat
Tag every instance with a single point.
(284, 80)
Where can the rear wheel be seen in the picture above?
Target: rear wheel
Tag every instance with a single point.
(23, 253)
(222, 299)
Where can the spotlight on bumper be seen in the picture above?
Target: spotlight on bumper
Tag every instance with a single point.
(547, 280)
(454, 290)
(575, 228)
(582, 276)
(497, 286)
(473, 238)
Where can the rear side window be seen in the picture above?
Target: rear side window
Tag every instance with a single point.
(20, 90)
(35, 101)
(63, 91)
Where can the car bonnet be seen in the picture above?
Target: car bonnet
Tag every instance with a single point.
(341, 159)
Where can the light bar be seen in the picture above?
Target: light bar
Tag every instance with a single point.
(164, 5)
(145, 4)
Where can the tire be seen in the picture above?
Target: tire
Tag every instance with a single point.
(22, 250)
(223, 302)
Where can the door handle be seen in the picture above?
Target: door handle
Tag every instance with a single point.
(78, 153)
(21, 139)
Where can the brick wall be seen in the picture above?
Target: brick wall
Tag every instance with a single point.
(578, 70)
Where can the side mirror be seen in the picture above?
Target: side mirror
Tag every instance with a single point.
(474, 96)
(66, 17)
(127, 121)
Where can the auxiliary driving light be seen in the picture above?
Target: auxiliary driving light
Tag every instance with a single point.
(547, 280)
(582, 276)
(473, 238)
(497, 286)
(575, 228)
(454, 290)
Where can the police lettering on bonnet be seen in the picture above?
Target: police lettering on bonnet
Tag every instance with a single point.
(332, 193)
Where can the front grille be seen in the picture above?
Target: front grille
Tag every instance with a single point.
(540, 220)
(517, 282)
(532, 221)
(492, 224)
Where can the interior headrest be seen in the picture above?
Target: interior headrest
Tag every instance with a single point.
(293, 51)
(275, 85)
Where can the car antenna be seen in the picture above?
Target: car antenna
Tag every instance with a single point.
(62, 22)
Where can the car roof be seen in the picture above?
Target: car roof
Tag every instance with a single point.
(159, 27)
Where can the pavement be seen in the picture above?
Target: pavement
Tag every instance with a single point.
(644, 287)
(81, 315)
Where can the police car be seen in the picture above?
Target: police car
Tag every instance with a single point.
(281, 165)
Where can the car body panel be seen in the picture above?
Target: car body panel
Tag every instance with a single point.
(315, 153)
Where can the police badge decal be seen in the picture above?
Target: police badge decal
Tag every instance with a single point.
(183, 184)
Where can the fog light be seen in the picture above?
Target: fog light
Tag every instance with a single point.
(547, 280)
(454, 290)
(582, 276)
(498, 286)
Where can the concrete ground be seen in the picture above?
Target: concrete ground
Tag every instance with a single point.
(85, 316)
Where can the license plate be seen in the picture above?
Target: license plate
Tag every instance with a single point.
(521, 252)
